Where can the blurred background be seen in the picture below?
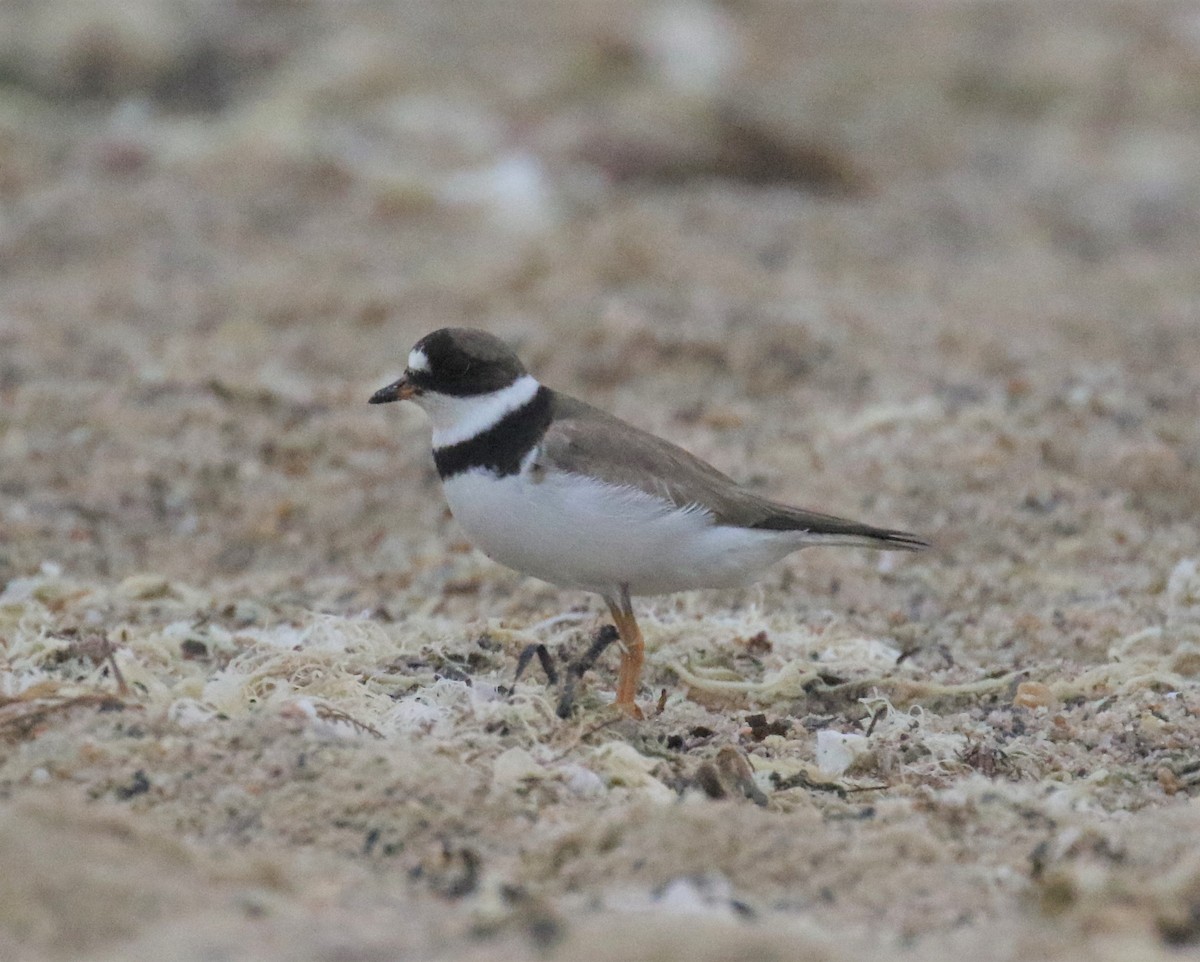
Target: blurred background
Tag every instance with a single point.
(743, 223)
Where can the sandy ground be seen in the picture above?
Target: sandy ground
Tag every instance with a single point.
(932, 265)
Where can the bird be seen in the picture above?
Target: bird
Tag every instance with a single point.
(552, 487)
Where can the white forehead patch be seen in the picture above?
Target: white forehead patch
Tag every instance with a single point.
(417, 361)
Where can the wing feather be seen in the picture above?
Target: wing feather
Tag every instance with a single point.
(585, 440)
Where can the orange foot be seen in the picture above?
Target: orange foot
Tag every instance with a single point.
(629, 709)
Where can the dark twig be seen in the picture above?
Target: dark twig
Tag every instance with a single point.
(330, 714)
(604, 638)
(20, 717)
(110, 654)
(544, 659)
(879, 713)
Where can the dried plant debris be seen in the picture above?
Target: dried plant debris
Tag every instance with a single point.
(339, 677)
(423, 738)
(29, 713)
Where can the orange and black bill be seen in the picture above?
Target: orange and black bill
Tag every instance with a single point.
(400, 390)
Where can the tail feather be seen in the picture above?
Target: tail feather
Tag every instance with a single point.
(830, 530)
(880, 539)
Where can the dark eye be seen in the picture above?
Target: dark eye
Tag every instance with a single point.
(454, 366)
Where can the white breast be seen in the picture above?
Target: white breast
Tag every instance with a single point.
(577, 532)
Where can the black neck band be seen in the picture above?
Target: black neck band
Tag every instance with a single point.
(501, 447)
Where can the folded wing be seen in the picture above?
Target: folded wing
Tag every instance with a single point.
(585, 440)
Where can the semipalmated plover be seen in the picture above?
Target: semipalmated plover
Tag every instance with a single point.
(555, 488)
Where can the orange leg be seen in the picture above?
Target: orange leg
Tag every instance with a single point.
(633, 650)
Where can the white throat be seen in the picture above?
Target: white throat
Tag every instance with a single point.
(457, 419)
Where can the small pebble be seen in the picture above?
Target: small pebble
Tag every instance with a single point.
(1033, 694)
